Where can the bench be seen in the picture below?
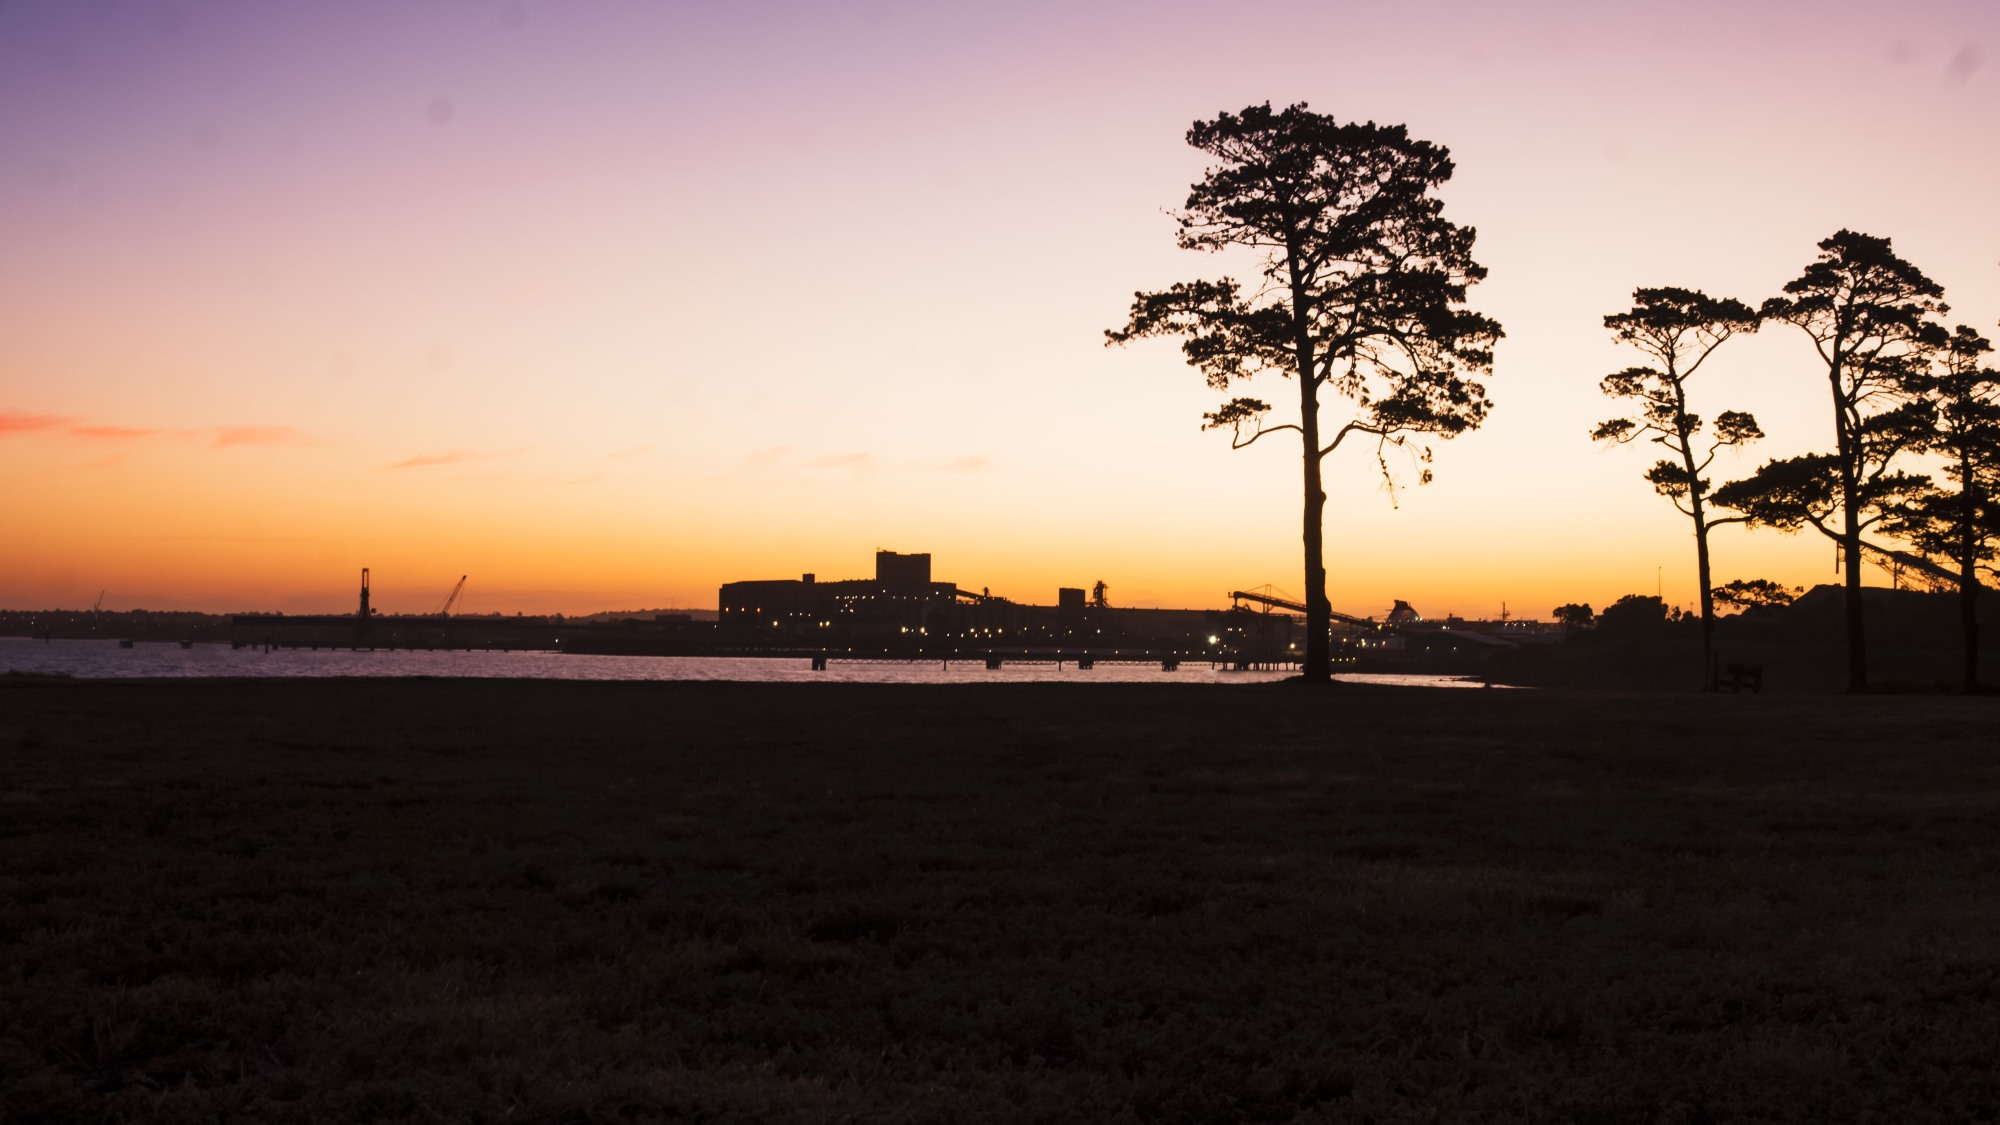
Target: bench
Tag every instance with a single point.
(1737, 677)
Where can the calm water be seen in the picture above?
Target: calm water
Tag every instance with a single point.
(104, 659)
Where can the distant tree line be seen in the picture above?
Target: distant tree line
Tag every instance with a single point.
(1360, 302)
(1637, 613)
(1901, 387)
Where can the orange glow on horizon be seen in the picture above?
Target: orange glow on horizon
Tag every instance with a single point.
(605, 307)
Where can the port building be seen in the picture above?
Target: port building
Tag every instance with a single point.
(905, 609)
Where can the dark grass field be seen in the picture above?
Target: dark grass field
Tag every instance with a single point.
(473, 901)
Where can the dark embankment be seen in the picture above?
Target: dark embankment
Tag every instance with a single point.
(457, 901)
(1915, 644)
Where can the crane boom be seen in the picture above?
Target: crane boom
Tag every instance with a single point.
(1296, 607)
(452, 599)
(1914, 569)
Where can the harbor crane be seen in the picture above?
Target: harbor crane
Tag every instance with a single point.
(452, 599)
(1270, 597)
(1908, 571)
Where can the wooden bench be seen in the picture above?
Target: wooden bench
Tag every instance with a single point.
(1737, 677)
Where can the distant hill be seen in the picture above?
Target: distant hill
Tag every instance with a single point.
(645, 614)
(140, 624)
(1913, 645)
(131, 624)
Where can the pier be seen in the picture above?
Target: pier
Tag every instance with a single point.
(1082, 659)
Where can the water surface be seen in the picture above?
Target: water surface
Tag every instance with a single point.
(105, 659)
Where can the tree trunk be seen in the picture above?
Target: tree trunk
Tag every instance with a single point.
(1318, 668)
(1968, 573)
(1702, 574)
(1968, 616)
(1707, 600)
(1849, 447)
(1850, 545)
(1319, 617)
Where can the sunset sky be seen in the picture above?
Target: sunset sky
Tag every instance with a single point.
(604, 303)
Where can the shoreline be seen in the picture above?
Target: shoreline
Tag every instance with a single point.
(102, 660)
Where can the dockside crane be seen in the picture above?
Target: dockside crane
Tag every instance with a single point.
(1271, 598)
(1908, 571)
(452, 599)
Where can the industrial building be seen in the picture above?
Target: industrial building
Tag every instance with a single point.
(904, 610)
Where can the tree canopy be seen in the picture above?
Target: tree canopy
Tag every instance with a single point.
(1960, 527)
(1573, 616)
(1362, 282)
(1872, 319)
(1679, 329)
(1753, 593)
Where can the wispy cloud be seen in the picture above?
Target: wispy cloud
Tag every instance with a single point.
(1962, 65)
(112, 433)
(17, 422)
(229, 539)
(861, 463)
(453, 457)
(843, 461)
(253, 435)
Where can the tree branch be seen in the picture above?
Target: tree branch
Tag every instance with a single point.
(1352, 427)
(1238, 441)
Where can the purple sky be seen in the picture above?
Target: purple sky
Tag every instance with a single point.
(609, 302)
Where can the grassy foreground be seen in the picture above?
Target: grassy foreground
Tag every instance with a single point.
(477, 900)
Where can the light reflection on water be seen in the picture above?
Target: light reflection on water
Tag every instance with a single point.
(106, 660)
